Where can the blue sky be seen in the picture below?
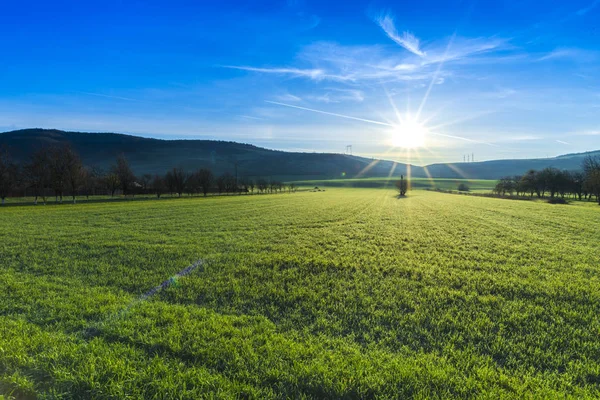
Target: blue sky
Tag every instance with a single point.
(500, 79)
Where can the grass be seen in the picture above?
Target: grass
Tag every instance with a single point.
(347, 293)
(477, 185)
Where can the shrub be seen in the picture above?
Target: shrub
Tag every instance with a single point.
(463, 187)
(557, 200)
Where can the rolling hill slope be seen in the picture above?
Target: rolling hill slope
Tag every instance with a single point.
(157, 156)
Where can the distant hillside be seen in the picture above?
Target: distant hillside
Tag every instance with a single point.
(157, 156)
(498, 168)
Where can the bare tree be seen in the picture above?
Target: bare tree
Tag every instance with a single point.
(58, 170)
(221, 183)
(205, 179)
(92, 180)
(262, 185)
(591, 164)
(123, 171)
(145, 181)
(230, 182)
(578, 182)
(159, 185)
(176, 180)
(528, 182)
(112, 183)
(592, 183)
(74, 172)
(8, 175)
(38, 174)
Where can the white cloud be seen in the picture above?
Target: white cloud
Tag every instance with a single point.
(336, 95)
(578, 55)
(309, 73)
(407, 40)
(587, 9)
(288, 97)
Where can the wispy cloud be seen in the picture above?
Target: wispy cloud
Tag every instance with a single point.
(562, 142)
(407, 40)
(578, 55)
(590, 132)
(251, 117)
(288, 97)
(587, 9)
(108, 96)
(337, 95)
(459, 48)
(330, 61)
(309, 73)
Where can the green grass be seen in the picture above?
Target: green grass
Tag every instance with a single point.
(347, 293)
(476, 185)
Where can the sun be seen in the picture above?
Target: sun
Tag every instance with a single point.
(409, 134)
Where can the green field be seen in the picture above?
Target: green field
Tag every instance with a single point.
(347, 293)
(475, 185)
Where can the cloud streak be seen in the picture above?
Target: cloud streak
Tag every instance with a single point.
(309, 73)
(407, 40)
(370, 121)
(587, 9)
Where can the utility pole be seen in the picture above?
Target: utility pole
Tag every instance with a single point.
(472, 157)
(464, 158)
(349, 149)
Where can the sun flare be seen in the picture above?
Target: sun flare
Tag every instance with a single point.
(409, 134)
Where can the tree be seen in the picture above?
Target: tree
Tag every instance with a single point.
(529, 182)
(591, 169)
(462, 187)
(145, 181)
(592, 183)
(505, 185)
(518, 185)
(73, 168)
(112, 183)
(577, 183)
(124, 173)
(591, 164)
(92, 180)
(38, 174)
(262, 185)
(158, 185)
(251, 185)
(8, 175)
(244, 185)
(176, 180)
(402, 185)
(552, 180)
(221, 185)
(58, 169)
(230, 182)
(205, 180)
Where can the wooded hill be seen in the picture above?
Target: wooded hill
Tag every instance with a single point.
(155, 156)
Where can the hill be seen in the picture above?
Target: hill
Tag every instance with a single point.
(157, 156)
(498, 168)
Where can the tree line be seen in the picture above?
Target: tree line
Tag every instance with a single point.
(555, 183)
(59, 171)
